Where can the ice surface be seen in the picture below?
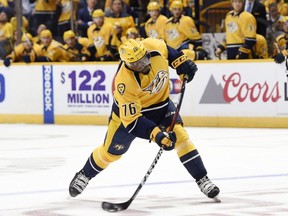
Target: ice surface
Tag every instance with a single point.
(37, 163)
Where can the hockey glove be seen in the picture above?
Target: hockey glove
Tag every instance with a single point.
(185, 67)
(279, 58)
(201, 54)
(7, 62)
(26, 58)
(166, 140)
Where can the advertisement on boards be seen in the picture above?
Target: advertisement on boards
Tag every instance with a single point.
(240, 89)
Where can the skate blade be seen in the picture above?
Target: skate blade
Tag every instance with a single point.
(217, 199)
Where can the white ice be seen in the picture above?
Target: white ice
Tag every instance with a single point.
(37, 163)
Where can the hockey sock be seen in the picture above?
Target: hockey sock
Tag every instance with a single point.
(193, 163)
(91, 169)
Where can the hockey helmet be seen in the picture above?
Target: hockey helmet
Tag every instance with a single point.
(176, 4)
(68, 34)
(135, 56)
(98, 13)
(46, 33)
(132, 51)
(26, 37)
(153, 6)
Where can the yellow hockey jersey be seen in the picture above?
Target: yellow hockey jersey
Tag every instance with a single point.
(260, 49)
(54, 52)
(156, 29)
(20, 51)
(100, 37)
(175, 33)
(240, 29)
(66, 9)
(136, 93)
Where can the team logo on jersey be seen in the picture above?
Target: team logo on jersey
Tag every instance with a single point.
(118, 147)
(121, 88)
(158, 82)
(232, 27)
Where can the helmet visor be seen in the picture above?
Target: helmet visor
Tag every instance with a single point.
(140, 64)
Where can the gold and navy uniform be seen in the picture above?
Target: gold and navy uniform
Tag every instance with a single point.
(156, 29)
(141, 103)
(260, 49)
(20, 51)
(80, 49)
(45, 7)
(182, 32)
(240, 33)
(282, 42)
(100, 37)
(54, 52)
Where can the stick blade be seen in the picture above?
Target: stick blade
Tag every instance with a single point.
(115, 207)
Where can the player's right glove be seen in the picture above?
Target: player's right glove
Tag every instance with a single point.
(7, 62)
(165, 139)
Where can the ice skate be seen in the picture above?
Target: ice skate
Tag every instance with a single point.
(78, 183)
(208, 188)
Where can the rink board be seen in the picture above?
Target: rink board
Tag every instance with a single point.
(223, 93)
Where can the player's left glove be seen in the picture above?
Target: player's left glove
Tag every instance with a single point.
(185, 67)
(166, 140)
(279, 58)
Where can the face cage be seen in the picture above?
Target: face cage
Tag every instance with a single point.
(140, 64)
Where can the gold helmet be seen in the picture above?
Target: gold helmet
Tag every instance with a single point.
(98, 13)
(153, 6)
(46, 33)
(26, 37)
(132, 51)
(68, 34)
(176, 4)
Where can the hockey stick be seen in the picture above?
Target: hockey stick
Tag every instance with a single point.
(114, 207)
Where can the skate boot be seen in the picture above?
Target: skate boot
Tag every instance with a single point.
(208, 188)
(78, 183)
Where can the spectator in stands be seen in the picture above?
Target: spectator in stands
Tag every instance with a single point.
(75, 49)
(64, 20)
(257, 9)
(274, 29)
(240, 27)
(99, 34)
(40, 28)
(109, 9)
(84, 17)
(116, 40)
(45, 13)
(282, 43)
(116, 14)
(181, 33)
(6, 35)
(154, 27)
(281, 4)
(25, 51)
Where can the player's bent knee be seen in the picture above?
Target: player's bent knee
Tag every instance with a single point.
(102, 158)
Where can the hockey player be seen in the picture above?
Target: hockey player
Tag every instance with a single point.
(25, 50)
(240, 32)
(99, 34)
(142, 108)
(75, 48)
(181, 33)
(154, 27)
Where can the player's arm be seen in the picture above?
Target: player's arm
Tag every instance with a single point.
(248, 27)
(184, 66)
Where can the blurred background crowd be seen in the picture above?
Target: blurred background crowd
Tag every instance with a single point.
(92, 30)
